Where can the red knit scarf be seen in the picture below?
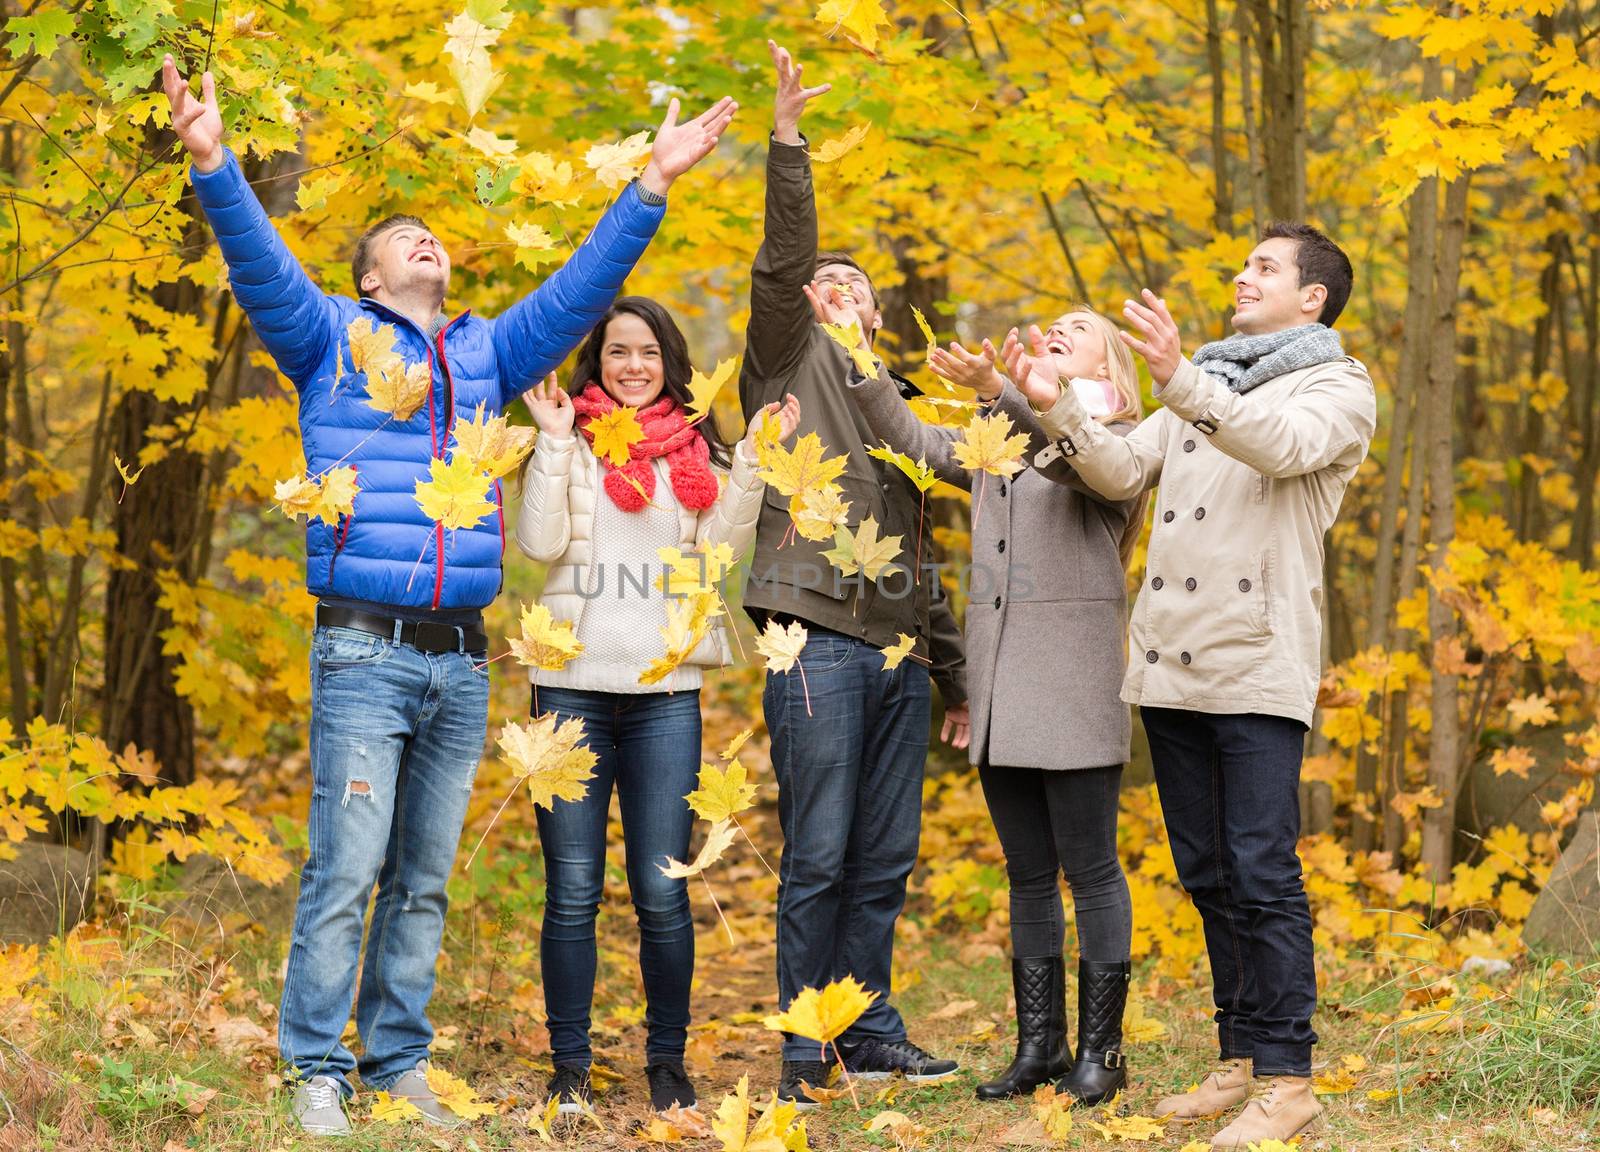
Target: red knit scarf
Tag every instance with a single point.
(666, 433)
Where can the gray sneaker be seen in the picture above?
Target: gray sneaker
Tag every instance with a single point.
(318, 1107)
(413, 1086)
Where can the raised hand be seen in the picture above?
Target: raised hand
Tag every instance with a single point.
(830, 308)
(1162, 346)
(791, 99)
(1034, 375)
(679, 147)
(787, 415)
(551, 407)
(197, 123)
(973, 370)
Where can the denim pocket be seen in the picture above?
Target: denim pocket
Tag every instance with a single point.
(826, 653)
(347, 648)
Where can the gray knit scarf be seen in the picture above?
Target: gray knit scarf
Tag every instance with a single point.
(1243, 362)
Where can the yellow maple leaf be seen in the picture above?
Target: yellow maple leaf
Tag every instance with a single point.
(539, 1122)
(718, 840)
(1516, 760)
(895, 653)
(735, 744)
(550, 757)
(400, 390)
(986, 445)
(1139, 1128)
(831, 150)
(615, 433)
(703, 389)
(819, 512)
(775, 1129)
(781, 646)
(1053, 1110)
(336, 495)
(792, 471)
(371, 344)
(824, 1015)
(926, 330)
(546, 642)
(542, 177)
(1534, 709)
(722, 794)
(387, 1109)
(456, 493)
(128, 478)
(864, 551)
(534, 246)
(693, 573)
(614, 165)
(848, 337)
(858, 19)
(457, 1095)
(917, 471)
(688, 621)
(494, 445)
(297, 496)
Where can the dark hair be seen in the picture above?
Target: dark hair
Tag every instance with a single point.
(848, 261)
(676, 368)
(1320, 261)
(361, 263)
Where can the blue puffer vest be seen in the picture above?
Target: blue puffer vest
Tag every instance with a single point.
(387, 551)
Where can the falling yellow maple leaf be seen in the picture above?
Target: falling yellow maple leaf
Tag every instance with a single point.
(545, 643)
(467, 41)
(693, 573)
(455, 494)
(895, 653)
(848, 337)
(1515, 760)
(615, 433)
(986, 445)
(718, 840)
(399, 390)
(457, 1095)
(858, 19)
(688, 621)
(493, 444)
(824, 1015)
(806, 465)
(703, 389)
(781, 646)
(550, 757)
(543, 177)
(371, 344)
(326, 499)
(864, 551)
(534, 245)
(723, 793)
(1534, 709)
(917, 471)
(925, 328)
(819, 512)
(129, 479)
(387, 1109)
(735, 744)
(614, 165)
(831, 150)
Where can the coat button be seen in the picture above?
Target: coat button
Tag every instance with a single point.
(1190, 584)
(1002, 487)
(1199, 513)
(997, 602)
(1001, 546)
(1188, 445)
(1166, 517)
(1156, 583)
(1244, 585)
(1150, 657)
(1184, 656)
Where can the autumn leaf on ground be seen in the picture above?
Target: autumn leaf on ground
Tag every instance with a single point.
(1053, 1110)
(895, 653)
(776, 1129)
(493, 444)
(549, 757)
(819, 513)
(824, 1015)
(860, 20)
(535, 246)
(864, 551)
(987, 445)
(718, 839)
(703, 389)
(456, 493)
(615, 433)
(457, 1095)
(387, 1109)
(722, 794)
(1139, 1128)
(781, 646)
(848, 337)
(539, 1121)
(546, 642)
(398, 390)
(735, 745)
(614, 165)
(804, 467)
(917, 471)
(831, 150)
(907, 1133)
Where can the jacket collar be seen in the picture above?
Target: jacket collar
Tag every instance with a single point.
(443, 325)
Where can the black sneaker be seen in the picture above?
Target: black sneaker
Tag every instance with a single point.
(669, 1086)
(873, 1059)
(812, 1072)
(570, 1085)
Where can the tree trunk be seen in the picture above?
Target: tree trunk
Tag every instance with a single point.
(1282, 34)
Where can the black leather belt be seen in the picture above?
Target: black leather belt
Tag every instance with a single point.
(423, 635)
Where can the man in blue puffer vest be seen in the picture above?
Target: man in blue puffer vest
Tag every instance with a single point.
(400, 684)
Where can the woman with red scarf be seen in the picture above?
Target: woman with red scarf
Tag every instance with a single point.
(600, 528)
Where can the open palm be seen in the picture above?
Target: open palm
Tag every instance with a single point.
(679, 147)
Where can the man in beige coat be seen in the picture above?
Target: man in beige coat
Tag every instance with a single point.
(1258, 436)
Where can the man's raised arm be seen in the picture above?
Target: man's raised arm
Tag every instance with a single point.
(290, 314)
(537, 332)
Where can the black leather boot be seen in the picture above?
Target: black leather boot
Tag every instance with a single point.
(1099, 1073)
(1042, 1052)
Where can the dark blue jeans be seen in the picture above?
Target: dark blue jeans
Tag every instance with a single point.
(1230, 793)
(850, 803)
(649, 748)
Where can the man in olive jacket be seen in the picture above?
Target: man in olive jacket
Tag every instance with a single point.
(1257, 438)
(849, 743)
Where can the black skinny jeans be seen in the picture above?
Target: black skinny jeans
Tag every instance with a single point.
(1052, 822)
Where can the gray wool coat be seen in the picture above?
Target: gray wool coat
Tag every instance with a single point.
(1047, 613)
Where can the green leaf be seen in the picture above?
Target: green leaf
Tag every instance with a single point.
(39, 33)
(494, 185)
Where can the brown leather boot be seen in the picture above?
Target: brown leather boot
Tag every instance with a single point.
(1226, 1086)
(1281, 1108)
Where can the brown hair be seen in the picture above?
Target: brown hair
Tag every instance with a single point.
(361, 263)
(1320, 261)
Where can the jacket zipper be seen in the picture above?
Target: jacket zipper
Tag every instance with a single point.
(449, 423)
(342, 535)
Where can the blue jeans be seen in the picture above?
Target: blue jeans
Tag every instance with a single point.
(649, 748)
(1230, 793)
(395, 739)
(850, 804)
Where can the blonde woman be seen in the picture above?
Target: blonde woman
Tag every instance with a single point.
(1046, 641)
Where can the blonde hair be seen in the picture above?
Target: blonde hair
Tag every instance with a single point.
(1124, 380)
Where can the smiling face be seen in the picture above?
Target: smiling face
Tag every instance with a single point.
(1267, 293)
(631, 367)
(407, 260)
(1078, 347)
(860, 288)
